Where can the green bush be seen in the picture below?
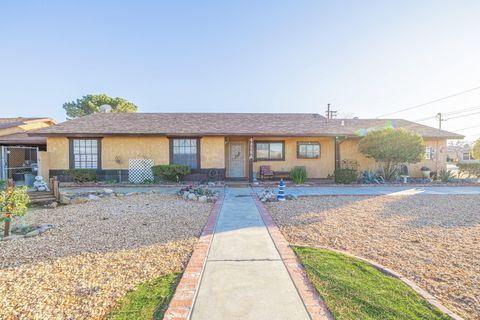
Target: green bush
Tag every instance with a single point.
(2, 184)
(345, 176)
(83, 175)
(298, 175)
(470, 169)
(170, 172)
(445, 175)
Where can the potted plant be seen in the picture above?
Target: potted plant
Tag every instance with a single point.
(425, 172)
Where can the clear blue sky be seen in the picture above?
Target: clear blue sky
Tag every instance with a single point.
(366, 58)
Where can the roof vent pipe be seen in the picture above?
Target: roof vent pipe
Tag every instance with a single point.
(343, 122)
(105, 108)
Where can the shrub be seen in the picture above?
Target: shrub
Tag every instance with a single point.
(345, 176)
(298, 175)
(470, 169)
(13, 202)
(170, 172)
(445, 175)
(2, 184)
(476, 150)
(372, 177)
(82, 175)
(391, 147)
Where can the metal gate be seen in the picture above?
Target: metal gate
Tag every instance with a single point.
(19, 163)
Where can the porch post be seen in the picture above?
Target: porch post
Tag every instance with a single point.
(337, 152)
(250, 159)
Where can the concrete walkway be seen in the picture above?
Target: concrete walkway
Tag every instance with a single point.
(244, 276)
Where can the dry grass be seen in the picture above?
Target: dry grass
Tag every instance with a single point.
(432, 239)
(95, 254)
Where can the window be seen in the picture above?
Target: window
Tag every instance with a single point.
(429, 153)
(308, 150)
(85, 154)
(467, 156)
(270, 150)
(185, 151)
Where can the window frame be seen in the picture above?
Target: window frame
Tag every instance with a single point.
(429, 154)
(72, 154)
(185, 138)
(256, 142)
(309, 143)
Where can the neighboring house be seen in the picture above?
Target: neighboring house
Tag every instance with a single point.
(220, 145)
(19, 151)
(461, 152)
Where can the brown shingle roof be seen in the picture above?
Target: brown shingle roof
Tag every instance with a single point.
(360, 127)
(202, 124)
(22, 138)
(15, 122)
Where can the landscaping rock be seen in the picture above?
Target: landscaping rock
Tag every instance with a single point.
(192, 196)
(79, 269)
(93, 197)
(268, 196)
(202, 199)
(33, 233)
(432, 240)
(78, 200)
(107, 191)
(52, 205)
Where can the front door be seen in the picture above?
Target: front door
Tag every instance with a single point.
(237, 160)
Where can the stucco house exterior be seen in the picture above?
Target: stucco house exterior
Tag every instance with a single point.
(221, 146)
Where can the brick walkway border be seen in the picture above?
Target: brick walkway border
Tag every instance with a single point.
(313, 302)
(182, 302)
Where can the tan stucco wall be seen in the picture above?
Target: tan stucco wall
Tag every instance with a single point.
(349, 151)
(212, 152)
(44, 160)
(57, 148)
(125, 148)
(316, 168)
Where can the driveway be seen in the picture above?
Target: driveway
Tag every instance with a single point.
(380, 190)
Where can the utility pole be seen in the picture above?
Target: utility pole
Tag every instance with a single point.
(440, 119)
(437, 151)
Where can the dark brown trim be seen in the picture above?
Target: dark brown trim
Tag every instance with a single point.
(255, 142)
(311, 143)
(199, 150)
(71, 160)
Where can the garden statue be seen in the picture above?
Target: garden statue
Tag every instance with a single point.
(40, 185)
(281, 191)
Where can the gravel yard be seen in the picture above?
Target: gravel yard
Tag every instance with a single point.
(433, 240)
(96, 252)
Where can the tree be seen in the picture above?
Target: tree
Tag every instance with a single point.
(91, 104)
(392, 147)
(476, 150)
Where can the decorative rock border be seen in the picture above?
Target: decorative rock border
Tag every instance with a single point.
(389, 272)
(312, 300)
(182, 302)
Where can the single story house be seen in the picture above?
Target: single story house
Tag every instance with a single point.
(221, 146)
(18, 150)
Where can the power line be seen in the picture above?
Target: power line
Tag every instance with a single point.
(464, 115)
(430, 102)
(467, 128)
(449, 113)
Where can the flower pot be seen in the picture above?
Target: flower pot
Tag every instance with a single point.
(426, 174)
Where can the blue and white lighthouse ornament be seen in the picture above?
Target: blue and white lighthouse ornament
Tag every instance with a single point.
(281, 191)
